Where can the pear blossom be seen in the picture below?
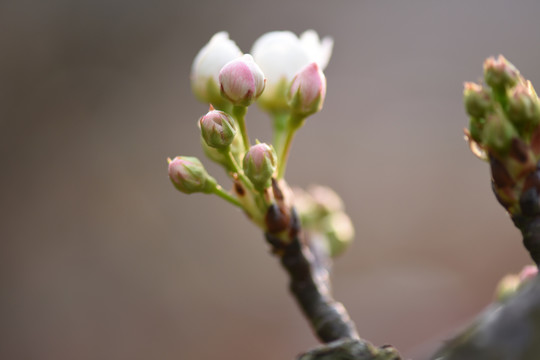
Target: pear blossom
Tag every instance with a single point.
(260, 163)
(217, 129)
(207, 64)
(308, 90)
(241, 81)
(280, 55)
(188, 175)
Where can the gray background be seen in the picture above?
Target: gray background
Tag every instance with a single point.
(102, 259)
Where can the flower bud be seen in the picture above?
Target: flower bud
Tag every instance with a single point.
(523, 105)
(307, 90)
(477, 100)
(498, 133)
(499, 73)
(339, 231)
(189, 176)
(236, 148)
(241, 81)
(260, 162)
(217, 129)
(475, 129)
(207, 64)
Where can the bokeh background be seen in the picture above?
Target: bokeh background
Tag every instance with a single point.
(102, 259)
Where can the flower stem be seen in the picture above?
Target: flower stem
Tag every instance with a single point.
(233, 165)
(280, 128)
(294, 123)
(218, 190)
(239, 113)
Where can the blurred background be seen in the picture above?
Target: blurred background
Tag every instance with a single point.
(101, 258)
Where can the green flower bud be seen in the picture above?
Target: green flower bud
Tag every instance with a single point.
(260, 162)
(523, 105)
(477, 100)
(500, 73)
(188, 175)
(475, 129)
(498, 133)
(339, 231)
(217, 129)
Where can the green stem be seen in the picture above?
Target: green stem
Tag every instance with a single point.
(280, 129)
(294, 123)
(218, 190)
(239, 113)
(236, 168)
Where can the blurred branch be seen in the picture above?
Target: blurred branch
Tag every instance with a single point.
(508, 331)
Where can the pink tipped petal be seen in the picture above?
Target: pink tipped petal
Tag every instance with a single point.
(241, 81)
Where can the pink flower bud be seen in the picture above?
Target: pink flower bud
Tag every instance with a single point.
(188, 175)
(241, 81)
(260, 162)
(217, 129)
(307, 90)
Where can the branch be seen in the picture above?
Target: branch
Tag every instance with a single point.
(310, 286)
(509, 331)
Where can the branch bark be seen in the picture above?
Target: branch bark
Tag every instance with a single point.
(509, 331)
(310, 286)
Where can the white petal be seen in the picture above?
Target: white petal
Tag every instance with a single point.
(211, 58)
(318, 51)
(279, 54)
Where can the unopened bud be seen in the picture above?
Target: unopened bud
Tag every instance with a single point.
(339, 231)
(188, 175)
(241, 81)
(476, 126)
(499, 73)
(308, 90)
(523, 105)
(260, 162)
(217, 129)
(498, 133)
(477, 100)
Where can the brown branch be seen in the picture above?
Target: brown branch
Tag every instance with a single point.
(310, 286)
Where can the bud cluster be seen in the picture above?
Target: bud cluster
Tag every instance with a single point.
(285, 77)
(504, 130)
